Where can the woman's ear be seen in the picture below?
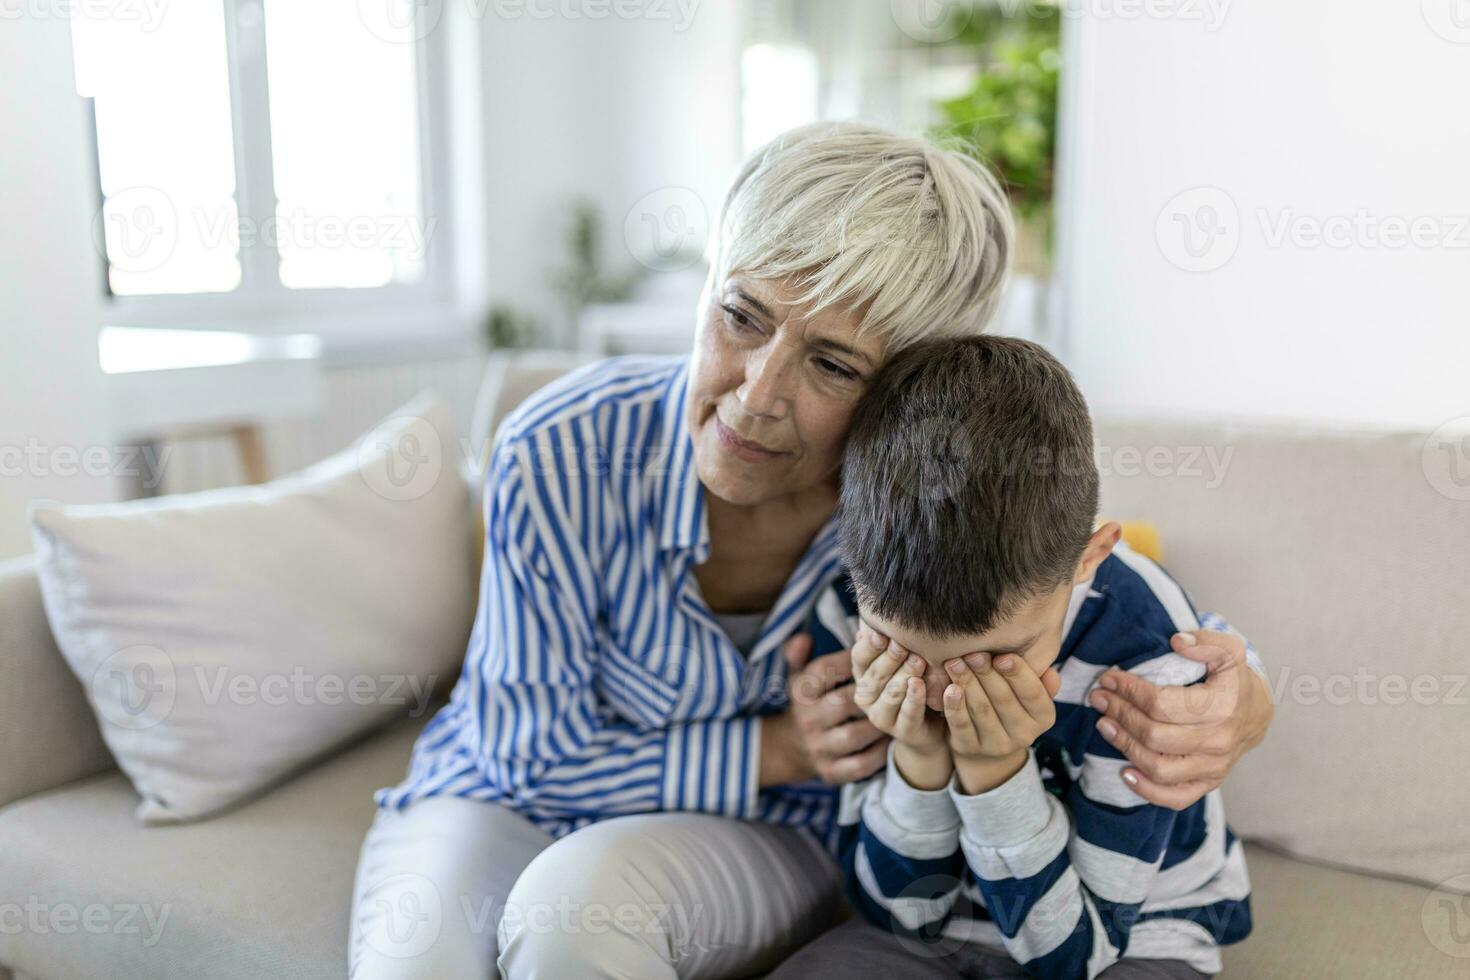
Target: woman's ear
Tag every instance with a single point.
(1099, 546)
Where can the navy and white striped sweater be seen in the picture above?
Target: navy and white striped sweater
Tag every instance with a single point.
(1063, 866)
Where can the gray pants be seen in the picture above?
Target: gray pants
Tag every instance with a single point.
(450, 887)
(859, 949)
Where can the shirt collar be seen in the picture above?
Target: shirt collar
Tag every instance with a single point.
(1081, 592)
(683, 522)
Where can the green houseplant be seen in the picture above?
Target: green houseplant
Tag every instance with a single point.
(1008, 116)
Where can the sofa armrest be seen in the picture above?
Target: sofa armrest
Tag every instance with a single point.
(46, 725)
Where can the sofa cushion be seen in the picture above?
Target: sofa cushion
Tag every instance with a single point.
(261, 891)
(1312, 921)
(48, 731)
(228, 637)
(1343, 557)
(264, 890)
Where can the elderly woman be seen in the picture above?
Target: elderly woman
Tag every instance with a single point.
(633, 777)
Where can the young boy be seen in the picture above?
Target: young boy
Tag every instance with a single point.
(1000, 840)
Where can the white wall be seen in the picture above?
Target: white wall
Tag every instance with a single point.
(51, 405)
(611, 109)
(1308, 111)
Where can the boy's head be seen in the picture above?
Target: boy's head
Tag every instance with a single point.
(969, 494)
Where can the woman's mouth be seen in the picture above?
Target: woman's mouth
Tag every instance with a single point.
(743, 448)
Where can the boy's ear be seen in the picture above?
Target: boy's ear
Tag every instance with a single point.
(1099, 546)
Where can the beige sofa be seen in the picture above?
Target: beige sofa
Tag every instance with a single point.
(1330, 551)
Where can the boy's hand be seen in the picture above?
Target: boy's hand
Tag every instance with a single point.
(889, 688)
(994, 712)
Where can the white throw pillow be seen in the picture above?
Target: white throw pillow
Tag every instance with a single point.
(226, 638)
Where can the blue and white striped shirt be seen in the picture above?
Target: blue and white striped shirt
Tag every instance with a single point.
(597, 681)
(1063, 866)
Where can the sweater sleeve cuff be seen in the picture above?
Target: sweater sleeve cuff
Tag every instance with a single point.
(1214, 621)
(916, 811)
(1010, 814)
(713, 766)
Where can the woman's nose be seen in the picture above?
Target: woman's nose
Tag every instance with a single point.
(764, 391)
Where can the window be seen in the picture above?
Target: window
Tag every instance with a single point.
(261, 156)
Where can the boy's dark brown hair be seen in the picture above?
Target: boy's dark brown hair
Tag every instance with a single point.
(968, 485)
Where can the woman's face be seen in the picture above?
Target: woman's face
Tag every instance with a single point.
(773, 390)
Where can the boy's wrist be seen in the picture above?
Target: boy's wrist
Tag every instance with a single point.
(923, 769)
(981, 774)
(1012, 813)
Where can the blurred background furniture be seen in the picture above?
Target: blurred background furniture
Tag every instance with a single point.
(172, 384)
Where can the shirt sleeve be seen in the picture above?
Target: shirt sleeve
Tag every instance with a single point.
(904, 867)
(1214, 621)
(1064, 879)
(539, 733)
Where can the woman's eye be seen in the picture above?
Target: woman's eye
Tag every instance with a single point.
(739, 320)
(837, 370)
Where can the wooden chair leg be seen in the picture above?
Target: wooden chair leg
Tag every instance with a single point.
(251, 448)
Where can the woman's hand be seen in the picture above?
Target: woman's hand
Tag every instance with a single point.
(823, 733)
(1183, 741)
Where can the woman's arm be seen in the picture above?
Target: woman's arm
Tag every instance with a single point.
(1183, 741)
(540, 734)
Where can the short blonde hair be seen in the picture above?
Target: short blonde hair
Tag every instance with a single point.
(916, 236)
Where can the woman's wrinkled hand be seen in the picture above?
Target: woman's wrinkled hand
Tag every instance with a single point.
(1183, 741)
(822, 733)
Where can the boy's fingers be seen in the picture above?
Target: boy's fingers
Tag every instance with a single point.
(884, 711)
(910, 725)
(1011, 716)
(1028, 688)
(863, 651)
(971, 693)
(1052, 681)
(869, 681)
(873, 681)
(1007, 711)
(962, 734)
